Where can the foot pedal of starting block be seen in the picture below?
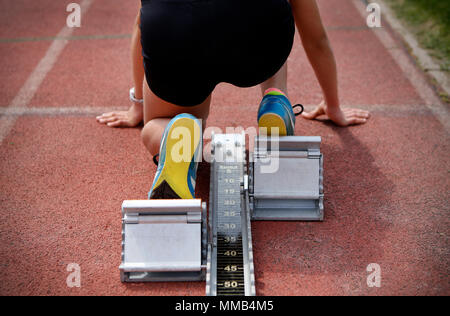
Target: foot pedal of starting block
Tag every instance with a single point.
(286, 179)
(163, 240)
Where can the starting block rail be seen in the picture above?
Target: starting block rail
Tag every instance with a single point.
(230, 268)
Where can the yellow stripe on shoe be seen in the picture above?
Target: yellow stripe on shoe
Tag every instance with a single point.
(183, 139)
(270, 121)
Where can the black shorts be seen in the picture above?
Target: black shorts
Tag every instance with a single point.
(190, 46)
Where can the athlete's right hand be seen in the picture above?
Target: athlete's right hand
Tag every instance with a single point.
(131, 118)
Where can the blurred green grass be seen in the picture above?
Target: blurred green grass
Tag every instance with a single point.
(430, 21)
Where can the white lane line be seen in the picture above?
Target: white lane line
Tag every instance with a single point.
(414, 109)
(70, 38)
(411, 71)
(394, 109)
(34, 81)
(60, 111)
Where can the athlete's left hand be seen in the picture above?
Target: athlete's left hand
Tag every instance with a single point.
(341, 117)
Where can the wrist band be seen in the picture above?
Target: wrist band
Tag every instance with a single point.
(133, 98)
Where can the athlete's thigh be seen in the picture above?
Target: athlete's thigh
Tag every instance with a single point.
(155, 107)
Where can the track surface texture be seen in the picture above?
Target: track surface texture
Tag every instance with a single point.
(63, 176)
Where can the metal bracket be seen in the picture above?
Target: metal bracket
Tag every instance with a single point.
(286, 179)
(163, 240)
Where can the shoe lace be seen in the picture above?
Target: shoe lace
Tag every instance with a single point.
(298, 106)
(155, 160)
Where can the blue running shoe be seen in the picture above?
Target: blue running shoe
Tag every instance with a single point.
(180, 152)
(277, 112)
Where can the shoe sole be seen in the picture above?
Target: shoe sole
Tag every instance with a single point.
(165, 192)
(272, 120)
(173, 179)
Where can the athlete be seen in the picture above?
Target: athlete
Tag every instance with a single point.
(181, 49)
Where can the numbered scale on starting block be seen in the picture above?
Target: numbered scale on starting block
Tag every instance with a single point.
(230, 257)
(175, 240)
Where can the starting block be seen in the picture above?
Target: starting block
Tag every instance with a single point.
(286, 179)
(163, 240)
(175, 240)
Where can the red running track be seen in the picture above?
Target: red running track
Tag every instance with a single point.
(63, 176)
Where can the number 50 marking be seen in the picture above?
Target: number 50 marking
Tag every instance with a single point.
(230, 284)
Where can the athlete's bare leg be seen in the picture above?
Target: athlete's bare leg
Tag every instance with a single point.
(278, 81)
(158, 113)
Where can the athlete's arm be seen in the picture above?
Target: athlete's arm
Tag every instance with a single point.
(320, 55)
(135, 114)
